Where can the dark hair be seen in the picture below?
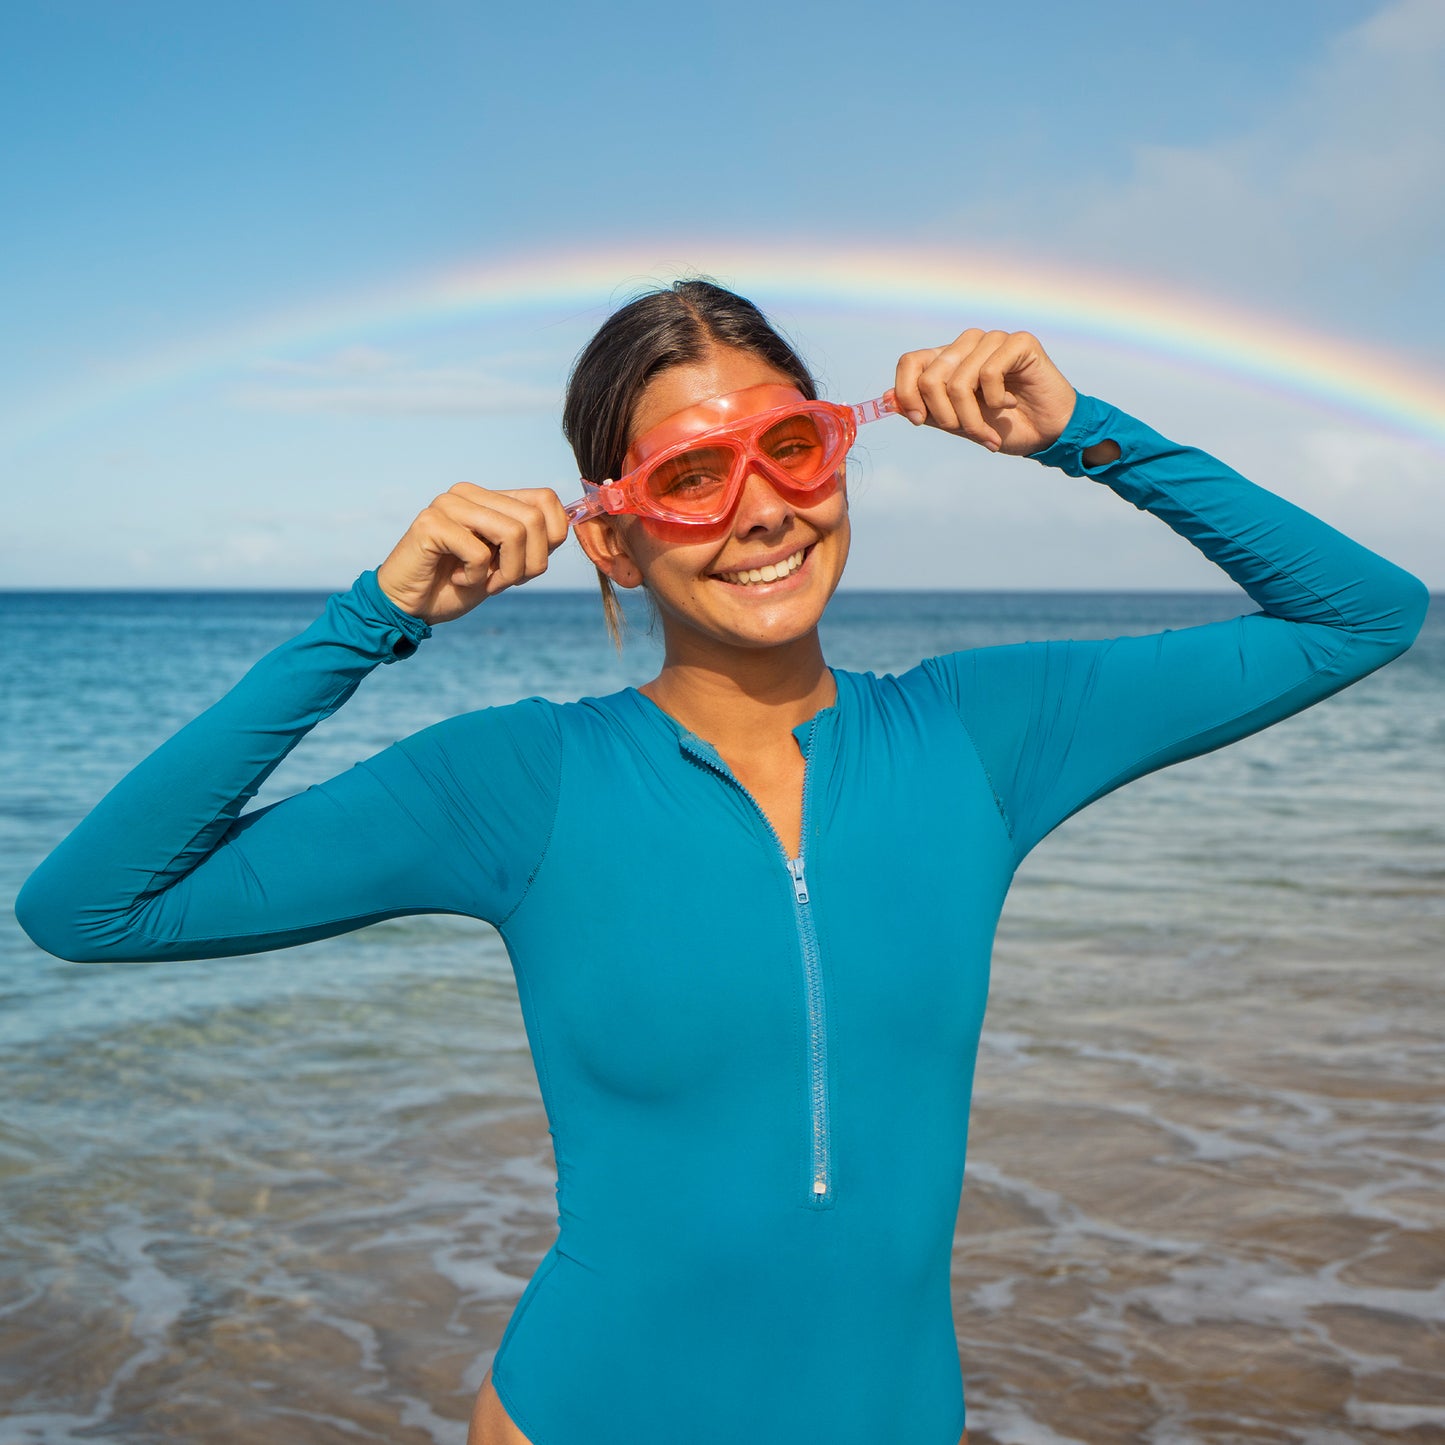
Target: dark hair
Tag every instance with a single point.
(670, 326)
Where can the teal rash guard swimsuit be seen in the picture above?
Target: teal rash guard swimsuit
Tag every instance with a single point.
(756, 1073)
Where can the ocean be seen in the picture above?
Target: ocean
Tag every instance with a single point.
(294, 1196)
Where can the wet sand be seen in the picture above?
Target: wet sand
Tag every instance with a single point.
(1164, 1250)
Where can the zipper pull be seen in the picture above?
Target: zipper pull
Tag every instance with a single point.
(800, 883)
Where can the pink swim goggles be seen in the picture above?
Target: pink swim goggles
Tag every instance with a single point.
(691, 467)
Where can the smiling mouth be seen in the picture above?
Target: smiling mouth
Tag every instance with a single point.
(773, 572)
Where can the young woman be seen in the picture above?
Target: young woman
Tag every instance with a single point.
(749, 904)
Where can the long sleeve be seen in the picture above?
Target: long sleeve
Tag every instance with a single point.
(453, 819)
(1059, 724)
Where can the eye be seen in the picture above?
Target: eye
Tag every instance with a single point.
(794, 443)
(702, 470)
(791, 446)
(690, 482)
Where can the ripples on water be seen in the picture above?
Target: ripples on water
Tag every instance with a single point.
(296, 1195)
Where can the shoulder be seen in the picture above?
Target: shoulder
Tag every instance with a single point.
(926, 679)
(917, 697)
(540, 730)
(978, 687)
(533, 721)
(976, 675)
(519, 741)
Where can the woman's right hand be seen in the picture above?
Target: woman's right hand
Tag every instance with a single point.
(470, 544)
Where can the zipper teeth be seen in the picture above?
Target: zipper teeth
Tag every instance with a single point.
(819, 1060)
(818, 1040)
(817, 1044)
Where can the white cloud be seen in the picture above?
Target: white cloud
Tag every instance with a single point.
(1336, 200)
(365, 380)
(1372, 480)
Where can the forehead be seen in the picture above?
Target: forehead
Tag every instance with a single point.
(720, 372)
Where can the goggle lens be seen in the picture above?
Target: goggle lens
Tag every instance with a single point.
(694, 481)
(802, 445)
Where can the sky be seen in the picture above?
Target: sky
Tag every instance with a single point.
(272, 276)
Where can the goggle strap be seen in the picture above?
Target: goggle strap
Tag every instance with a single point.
(875, 410)
(592, 503)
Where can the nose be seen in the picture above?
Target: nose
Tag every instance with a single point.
(762, 509)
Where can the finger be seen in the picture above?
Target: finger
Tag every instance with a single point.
(535, 544)
(555, 525)
(469, 560)
(905, 383)
(514, 524)
(503, 535)
(994, 373)
(554, 517)
(512, 541)
(963, 390)
(933, 383)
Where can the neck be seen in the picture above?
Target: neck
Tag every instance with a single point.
(744, 699)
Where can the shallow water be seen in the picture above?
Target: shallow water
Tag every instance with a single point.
(297, 1195)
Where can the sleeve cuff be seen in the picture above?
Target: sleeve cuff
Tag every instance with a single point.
(1092, 421)
(403, 631)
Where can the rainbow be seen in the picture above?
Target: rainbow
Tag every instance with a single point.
(1349, 378)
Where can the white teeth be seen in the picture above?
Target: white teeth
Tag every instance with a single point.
(771, 573)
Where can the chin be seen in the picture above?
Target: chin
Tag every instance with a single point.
(782, 635)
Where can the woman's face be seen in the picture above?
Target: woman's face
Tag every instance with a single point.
(693, 573)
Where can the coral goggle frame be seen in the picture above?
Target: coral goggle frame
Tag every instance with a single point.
(691, 467)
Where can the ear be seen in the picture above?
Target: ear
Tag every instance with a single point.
(601, 539)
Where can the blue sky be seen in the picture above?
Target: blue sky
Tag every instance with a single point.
(174, 173)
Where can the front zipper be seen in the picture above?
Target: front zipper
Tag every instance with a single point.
(817, 1034)
(820, 1191)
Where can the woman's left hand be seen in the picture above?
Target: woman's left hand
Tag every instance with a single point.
(997, 388)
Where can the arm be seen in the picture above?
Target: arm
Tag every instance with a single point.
(1059, 724)
(450, 820)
